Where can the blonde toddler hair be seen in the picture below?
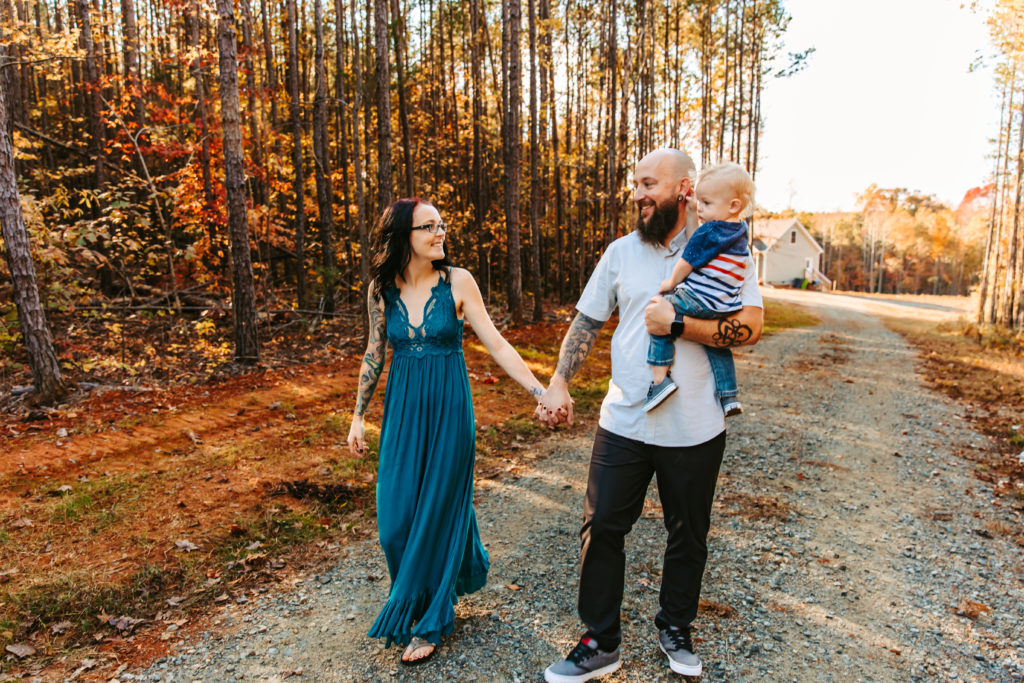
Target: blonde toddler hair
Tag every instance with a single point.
(736, 176)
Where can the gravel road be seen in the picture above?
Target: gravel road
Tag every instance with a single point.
(849, 542)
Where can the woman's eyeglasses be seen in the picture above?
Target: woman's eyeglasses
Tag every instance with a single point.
(432, 228)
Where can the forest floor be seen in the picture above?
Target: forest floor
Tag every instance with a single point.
(219, 531)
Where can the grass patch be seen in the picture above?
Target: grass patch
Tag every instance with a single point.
(779, 316)
(96, 503)
(81, 598)
(589, 394)
(533, 353)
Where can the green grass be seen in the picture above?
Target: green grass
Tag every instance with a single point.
(780, 317)
(79, 597)
(533, 353)
(589, 394)
(98, 503)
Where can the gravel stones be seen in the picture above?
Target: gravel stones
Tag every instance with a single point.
(830, 559)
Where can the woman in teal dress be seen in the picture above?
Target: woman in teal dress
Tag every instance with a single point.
(417, 301)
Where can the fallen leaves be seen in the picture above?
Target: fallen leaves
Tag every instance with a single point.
(124, 624)
(971, 609)
(186, 546)
(21, 650)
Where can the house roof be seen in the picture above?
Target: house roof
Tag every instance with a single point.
(767, 232)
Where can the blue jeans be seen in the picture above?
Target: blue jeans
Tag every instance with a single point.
(661, 350)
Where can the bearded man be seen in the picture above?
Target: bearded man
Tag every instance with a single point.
(682, 442)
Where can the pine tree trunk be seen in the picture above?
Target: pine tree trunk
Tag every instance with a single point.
(268, 57)
(1012, 292)
(298, 175)
(322, 157)
(259, 191)
(195, 19)
(511, 103)
(35, 331)
(357, 155)
(725, 83)
(131, 68)
(480, 203)
(611, 215)
(341, 93)
(403, 109)
(94, 100)
(385, 182)
(243, 296)
(538, 304)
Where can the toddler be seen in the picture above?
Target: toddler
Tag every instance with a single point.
(706, 281)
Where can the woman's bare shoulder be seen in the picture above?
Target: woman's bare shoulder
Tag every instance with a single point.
(461, 276)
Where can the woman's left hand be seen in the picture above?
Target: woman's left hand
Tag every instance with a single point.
(357, 437)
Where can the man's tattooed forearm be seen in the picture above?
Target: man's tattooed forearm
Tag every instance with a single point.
(731, 333)
(579, 340)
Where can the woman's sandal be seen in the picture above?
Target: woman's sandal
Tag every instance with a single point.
(414, 645)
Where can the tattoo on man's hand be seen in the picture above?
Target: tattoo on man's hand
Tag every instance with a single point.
(731, 333)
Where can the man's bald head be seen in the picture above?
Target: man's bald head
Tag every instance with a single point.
(670, 164)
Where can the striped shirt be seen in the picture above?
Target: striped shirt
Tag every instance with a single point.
(719, 255)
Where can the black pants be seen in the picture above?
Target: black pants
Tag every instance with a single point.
(620, 471)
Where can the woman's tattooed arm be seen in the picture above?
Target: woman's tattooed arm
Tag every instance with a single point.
(373, 359)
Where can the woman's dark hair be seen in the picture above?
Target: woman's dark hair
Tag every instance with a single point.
(390, 244)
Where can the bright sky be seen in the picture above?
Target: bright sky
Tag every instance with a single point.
(887, 98)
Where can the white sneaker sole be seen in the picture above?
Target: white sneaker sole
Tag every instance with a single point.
(681, 668)
(551, 677)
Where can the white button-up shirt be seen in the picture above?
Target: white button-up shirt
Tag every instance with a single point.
(627, 276)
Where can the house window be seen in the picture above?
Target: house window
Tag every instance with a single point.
(792, 237)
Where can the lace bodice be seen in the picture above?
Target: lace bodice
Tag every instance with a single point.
(441, 330)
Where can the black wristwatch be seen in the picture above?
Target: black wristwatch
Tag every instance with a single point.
(677, 326)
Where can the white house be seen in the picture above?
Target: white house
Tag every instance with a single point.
(786, 253)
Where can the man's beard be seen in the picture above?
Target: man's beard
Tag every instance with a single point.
(660, 224)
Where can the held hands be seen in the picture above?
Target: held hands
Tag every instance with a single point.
(555, 405)
(357, 437)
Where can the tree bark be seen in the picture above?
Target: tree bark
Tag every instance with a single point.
(131, 67)
(298, 175)
(538, 304)
(479, 186)
(611, 190)
(322, 157)
(357, 156)
(511, 23)
(94, 100)
(243, 298)
(385, 182)
(259, 187)
(204, 128)
(403, 108)
(268, 57)
(35, 331)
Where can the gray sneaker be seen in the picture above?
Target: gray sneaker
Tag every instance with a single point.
(585, 661)
(657, 393)
(678, 647)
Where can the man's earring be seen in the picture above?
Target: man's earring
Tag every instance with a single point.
(680, 197)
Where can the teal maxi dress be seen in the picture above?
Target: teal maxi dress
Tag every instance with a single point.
(425, 516)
